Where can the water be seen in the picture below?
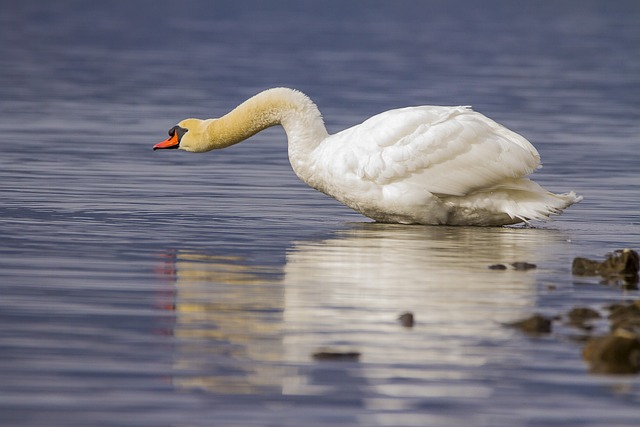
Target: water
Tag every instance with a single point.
(147, 288)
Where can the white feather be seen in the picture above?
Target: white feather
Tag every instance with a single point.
(424, 165)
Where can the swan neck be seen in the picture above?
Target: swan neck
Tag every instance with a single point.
(287, 107)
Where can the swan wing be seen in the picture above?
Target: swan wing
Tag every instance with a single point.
(444, 150)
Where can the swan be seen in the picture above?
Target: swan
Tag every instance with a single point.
(415, 165)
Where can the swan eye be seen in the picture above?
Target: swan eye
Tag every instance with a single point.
(179, 130)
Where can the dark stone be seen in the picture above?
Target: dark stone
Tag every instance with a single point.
(497, 267)
(622, 262)
(581, 314)
(523, 266)
(585, 267)
(339, 356)
(619, 265)
(626, 316)
(407, 319)
(534, 325)
(617, 353)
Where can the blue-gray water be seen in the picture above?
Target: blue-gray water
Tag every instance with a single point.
(142, 288)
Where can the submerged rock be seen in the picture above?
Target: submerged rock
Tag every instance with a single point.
(523, 266)
(340, 356)
(626, 316)
(534, 325)
(580, 316)
(617, 353)
(520, 265)
(407, 319)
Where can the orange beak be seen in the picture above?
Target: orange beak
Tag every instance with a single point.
(171, 142)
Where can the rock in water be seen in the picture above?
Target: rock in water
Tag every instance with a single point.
(616, 353)
(407, 319)
(534, 325)
(620, 266)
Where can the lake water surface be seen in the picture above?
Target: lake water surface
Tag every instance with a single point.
(142, 288)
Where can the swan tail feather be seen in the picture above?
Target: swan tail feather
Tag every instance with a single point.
(539, 206)
(520, 200)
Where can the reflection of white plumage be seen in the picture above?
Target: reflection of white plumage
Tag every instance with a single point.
(426, 165)
(259, 324)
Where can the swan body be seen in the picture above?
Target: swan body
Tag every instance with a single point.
(414, 165)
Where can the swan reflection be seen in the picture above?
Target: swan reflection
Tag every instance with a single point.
(242, 327)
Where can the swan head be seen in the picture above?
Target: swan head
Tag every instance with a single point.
(188, 135)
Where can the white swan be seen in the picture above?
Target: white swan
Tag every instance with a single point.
(415, 165)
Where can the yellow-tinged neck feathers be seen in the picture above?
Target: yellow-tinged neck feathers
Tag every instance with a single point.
(292, 109)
